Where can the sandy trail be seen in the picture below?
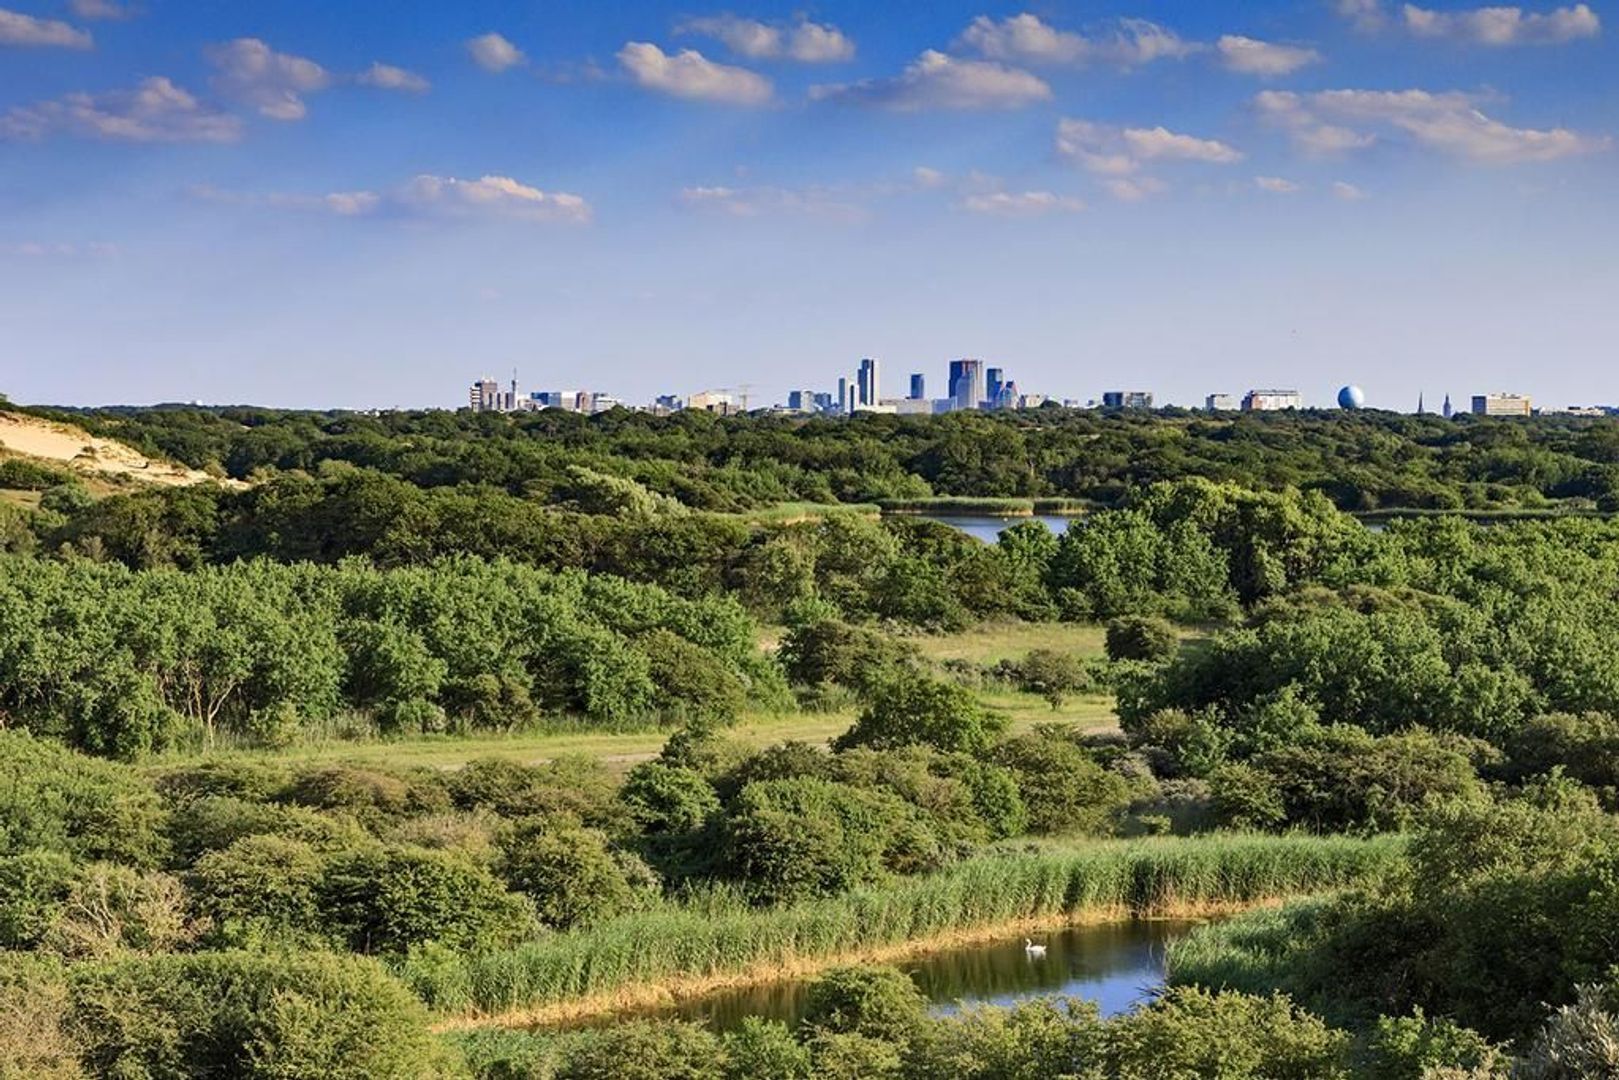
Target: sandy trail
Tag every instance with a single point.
(88, 453)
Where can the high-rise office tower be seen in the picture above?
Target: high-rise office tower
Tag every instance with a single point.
(993, 380)
(966, 383)
(485, 395)
(869, 382)
(1448, 410)
(918, 387)
(845, 395)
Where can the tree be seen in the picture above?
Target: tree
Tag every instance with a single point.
(569, 873)
(916, 709)
(1138, 637)
(1053, 675)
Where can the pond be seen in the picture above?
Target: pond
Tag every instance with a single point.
(1118, 965)
(987, 528)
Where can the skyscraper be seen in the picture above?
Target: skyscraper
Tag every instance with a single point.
(485, 395)
(845, 399)
(966, 383)
(993, 378)
(870, 383)
(1449, 412)
(918, 387)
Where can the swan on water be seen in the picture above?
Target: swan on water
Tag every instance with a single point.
(1032, 949)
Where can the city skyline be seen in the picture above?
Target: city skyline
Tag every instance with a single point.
(352, 205)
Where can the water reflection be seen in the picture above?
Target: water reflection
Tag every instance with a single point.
(987, 528)
(1117, 965)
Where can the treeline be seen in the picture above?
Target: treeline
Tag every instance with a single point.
(124, 663)
(1363, 461)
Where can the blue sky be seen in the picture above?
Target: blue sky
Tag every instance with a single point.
(369, 204)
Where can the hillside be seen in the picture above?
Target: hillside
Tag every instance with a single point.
(90, 455)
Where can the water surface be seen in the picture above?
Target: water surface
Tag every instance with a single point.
(1117, 965)
(987, 527)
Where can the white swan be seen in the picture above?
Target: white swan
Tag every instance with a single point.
(1032, 950)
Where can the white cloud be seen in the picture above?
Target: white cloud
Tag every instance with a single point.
(937, 81)
(1027, 39)
(764, 201)
(804, 41)
(1026, 204)
(1159, 142)
(1500, 26)
(1309, 132)
(426, 196)
(102, 9)
(928, 178)
(495, 196)
(1450, 123)
(494, 53)
(690, 74)
(1276, 185)
(1263, 58)
(1127, 189)
(1348, 192)
(1118, 155)
(273, 83)
(387, 77)
(33, 249)
(19, 29)
(155, 111)
(1367, 16)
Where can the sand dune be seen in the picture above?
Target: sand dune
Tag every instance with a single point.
(88, 453)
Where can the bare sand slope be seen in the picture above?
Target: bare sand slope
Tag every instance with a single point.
(88, 453)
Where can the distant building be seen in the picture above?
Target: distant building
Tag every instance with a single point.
(1502, 405)
(869, 383)
(1220, 403)
(1126, 399)
(993, 379)
(1448, 412)
(845, 398)
(918, 387)
(967, 383)
(484, 396)
(714, 401)
(823, 402)
(801, 400)
(914, 406)
(1272, 400)
(1004, 396)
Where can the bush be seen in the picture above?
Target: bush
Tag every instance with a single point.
(53, 799)
(664, 799)
(878, 1002)
(643, 1050)
(111, 908)
(259, 1017)
(1055, 676)
(260, 889)
(34, 888)
(1140, 637)
(34, 1041)
(794, 839)
(836, 653)
(386, 899)
(1346, 779)
(1244, 797)
(569, 874)
(1191, 1034)
(1063, 789)
(915, 710)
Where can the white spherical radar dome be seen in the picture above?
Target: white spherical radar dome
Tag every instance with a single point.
(1351, 397)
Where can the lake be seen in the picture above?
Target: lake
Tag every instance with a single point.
(987, 528)
(1118, 965)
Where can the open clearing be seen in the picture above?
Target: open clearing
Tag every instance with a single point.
(89, 454)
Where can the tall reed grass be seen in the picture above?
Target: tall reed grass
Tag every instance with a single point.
(717, 937)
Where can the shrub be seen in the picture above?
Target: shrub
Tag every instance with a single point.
(792, 839)
(915, 709)
(1141, 637)
(828, 651)
(692, 681)
(879, 1002)
(56, 800)
(568, 872)
(34, 888)
(765, 1050)
(259, 889)
(1416, 1048)
(213, 822)
(34, 1041)
(259, 1017)
(386, 899)
(1055, 676)
(1244, 797)
(1346, 779)
(1063, 789)
(643, 1050)
(665, 799)
(371, 795)
(111, 908)
(1191, 1034)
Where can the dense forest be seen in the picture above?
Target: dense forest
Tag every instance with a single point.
(1387, 757)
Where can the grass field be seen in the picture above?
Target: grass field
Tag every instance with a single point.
(624, 748)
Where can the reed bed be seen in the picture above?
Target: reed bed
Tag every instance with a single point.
(716, 942)
(993, 507)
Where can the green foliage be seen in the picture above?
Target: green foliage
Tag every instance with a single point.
(386, 899)
(34, 889)
(1191, 1034)
(1138, 637)
(829, 652)
(569, 873)
(878, 1002)
(1055, 676)
(917, 710)
(799, 838)
(52, 799)
(259, 1017)
(1062, 787)
(260, 889)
